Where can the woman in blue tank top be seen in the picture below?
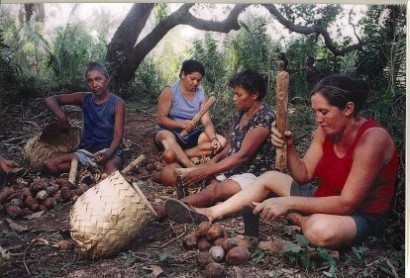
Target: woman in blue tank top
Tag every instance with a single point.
(178, 103)
(103, 124)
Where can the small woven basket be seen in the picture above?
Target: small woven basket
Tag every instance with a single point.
(108, 216)
(51, 141)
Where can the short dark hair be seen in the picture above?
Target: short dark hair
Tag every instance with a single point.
(250, 80)
(190, 66)
(98, 67)
(338, 90)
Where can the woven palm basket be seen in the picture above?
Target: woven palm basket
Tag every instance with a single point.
(51, 141)
(105, 219)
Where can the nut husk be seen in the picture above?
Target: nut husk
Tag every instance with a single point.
(203, 258)
(31, 203)
(167, 176)
(49, 202)
(237, 255)
(219, 241)
(216, 231)
(204, 244)
(14, 211)
(228, 244)
(65, 245)
(214, 270)
(190, 242)
(203, 228)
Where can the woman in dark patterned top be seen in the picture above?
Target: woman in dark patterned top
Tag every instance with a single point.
(249, 152)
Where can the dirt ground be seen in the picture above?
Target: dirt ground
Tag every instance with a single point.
(158, 250)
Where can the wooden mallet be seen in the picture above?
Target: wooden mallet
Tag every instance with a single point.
(282, 86)
(199, 115)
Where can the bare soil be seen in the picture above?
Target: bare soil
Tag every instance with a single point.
(158, 250)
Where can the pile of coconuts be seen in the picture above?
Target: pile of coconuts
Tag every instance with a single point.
(215, 247)
(26, 196)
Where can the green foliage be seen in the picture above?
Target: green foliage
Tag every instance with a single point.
(251, 47)
(302, 253)
(160, 11)
(258, 255)
(216, 76)
(143, 92)
(308, 14)
(73, 48)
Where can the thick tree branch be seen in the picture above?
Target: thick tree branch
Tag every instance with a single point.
(127, 33)
(314, 29)
(138, 52)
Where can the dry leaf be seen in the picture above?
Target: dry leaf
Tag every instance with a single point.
(34, 215)
(16, 227)
(156, 270)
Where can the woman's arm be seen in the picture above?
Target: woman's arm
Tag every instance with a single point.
(301, 169)
(163, 108)
(7, 165)
(252, 141)
(119, 120)
(55, 102)
(373, 151)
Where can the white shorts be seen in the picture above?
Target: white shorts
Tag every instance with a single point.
(244, 180)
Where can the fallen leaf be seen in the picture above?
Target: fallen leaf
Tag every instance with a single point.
(39, 242)
(16, 227)
(156, 270)
(275, 245)
(34, 215)
(288, 271)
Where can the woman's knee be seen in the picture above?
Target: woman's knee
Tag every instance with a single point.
(222, 140)
(49, 166)
(320, 232)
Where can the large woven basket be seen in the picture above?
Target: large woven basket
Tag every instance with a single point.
(51, 141)
(108, 216)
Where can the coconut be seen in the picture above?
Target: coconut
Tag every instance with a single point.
(237, 255)
(214, 270)
(190, 242)
(217, 253)
(215, 231)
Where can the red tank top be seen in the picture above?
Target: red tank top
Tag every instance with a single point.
(333, 172)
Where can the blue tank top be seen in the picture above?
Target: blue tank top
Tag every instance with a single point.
(98, 123)
(181, 108)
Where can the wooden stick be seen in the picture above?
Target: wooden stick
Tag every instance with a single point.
(201, 112)
(282, 86)
(132, 164)
(181, 171)
(73, 170)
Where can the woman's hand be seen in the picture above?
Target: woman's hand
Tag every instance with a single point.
(7, 165)
(271, 209)
(277, 138)
(215, 144)
(188, 125)
(194, 176)
(101, 156)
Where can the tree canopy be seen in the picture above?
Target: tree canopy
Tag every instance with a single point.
(127, 50)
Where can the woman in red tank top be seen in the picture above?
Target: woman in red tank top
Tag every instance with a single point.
(354, 159)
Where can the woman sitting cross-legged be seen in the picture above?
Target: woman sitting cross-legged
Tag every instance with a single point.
(354, 158)
(249, 151)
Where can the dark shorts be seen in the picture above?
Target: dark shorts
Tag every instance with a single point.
(367, 224)
(189, 141)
